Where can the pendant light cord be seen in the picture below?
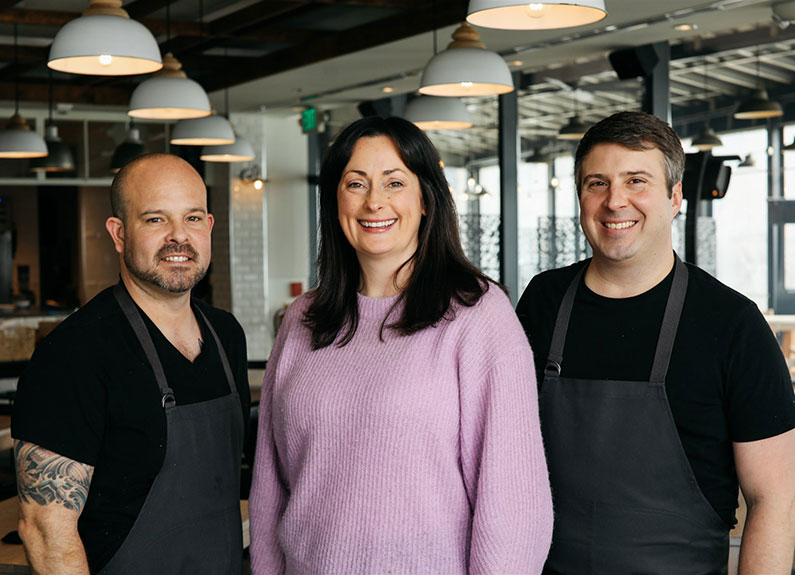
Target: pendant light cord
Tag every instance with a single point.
(16, 69)
(50, 95)
(168, 23)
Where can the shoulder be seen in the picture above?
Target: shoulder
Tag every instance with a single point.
(93, 326)
(490, 322)
(550, 284)
(707, 296)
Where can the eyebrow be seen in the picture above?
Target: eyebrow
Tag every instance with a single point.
(384, 173)
(624, 174)
(154, 212)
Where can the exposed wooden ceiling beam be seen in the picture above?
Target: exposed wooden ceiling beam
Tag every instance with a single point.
(55, 18)
(331, 45)
(98, 95)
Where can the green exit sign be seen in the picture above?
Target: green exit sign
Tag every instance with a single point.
(309, 120)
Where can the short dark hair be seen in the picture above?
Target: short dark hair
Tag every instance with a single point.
(636, 131)
(441, 271)
(118, 203)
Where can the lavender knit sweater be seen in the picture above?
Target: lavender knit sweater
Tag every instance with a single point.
(418, 454)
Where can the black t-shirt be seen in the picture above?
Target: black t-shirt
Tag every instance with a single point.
(89, 394)
(727, 380)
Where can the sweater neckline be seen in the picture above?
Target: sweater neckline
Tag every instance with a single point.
(375, 306)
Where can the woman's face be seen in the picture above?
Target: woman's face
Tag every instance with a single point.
(379, 203)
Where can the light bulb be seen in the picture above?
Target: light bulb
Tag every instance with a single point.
(466, 84)
(535, 10)
(258, 184)
(106, 59)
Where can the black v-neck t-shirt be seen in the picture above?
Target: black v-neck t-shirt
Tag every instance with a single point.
(89, 394)
(727, 380)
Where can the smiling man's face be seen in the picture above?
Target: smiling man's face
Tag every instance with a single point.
(626, 208)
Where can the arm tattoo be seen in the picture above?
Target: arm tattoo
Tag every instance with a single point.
(45, 477)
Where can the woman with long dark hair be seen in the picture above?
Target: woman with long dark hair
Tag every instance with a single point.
(398, 427)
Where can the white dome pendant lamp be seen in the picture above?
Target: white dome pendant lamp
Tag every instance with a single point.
(104, 41)
(212, 130)
(18, 140)
(546, 15)
(169, 95)
(466, 68)
(435, 113)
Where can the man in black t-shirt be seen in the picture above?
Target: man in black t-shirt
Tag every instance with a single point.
(129, 419)
(660, 387)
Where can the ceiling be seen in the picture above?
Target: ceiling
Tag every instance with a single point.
(275, 55)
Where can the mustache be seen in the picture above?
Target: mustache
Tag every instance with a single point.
(173, 249)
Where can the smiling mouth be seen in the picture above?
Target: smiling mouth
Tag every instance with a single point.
(378, 224)
(178, 259)
(619, 225)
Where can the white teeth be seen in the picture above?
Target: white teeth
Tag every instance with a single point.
(176, 258)
(619, 226)
(383, 224)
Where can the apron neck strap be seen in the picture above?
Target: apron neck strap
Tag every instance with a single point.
(221, 351)
(665, 342)
(136, 321)
(673, 311)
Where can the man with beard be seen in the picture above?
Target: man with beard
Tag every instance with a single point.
(129, 418)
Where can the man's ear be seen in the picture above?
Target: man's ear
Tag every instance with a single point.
(210, 221)
(676, 199)
(115, 228)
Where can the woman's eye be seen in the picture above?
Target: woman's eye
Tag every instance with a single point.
(395, 184)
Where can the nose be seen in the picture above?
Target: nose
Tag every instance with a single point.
(376, 198)
(177, 232)
(616, 198)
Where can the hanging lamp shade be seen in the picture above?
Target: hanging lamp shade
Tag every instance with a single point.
(19, 141)
(435, 113)
(707, 140)
(59, 156)
(128, 150)
(212, 130)
(540, 157)
(105, 41)
(239, 151)
(574, 130)
(547, 15)
(169, 95)
(758, 106)
(466, 68)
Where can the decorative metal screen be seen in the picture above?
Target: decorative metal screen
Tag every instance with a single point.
(480, 238)
(560, 242)
(705, 242)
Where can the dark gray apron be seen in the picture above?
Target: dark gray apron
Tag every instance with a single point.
(626, 500)
(190, 522)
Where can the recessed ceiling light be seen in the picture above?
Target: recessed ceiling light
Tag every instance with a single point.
(387, 89)
(684, 27)
(515, 63)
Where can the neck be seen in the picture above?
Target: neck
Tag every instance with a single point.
(624, 279)
(163, 308)
(378, 278)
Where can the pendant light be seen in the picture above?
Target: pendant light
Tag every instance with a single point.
(758, 106)
(435, 113)
(59, 156)
(238, 151)
(466, 68)
(212, 130)
(707, 139)
(105, 41)
(18, 140)
(575, 128)
(131, 148)
(546, 15)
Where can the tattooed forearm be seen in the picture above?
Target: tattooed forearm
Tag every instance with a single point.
(45, 477)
